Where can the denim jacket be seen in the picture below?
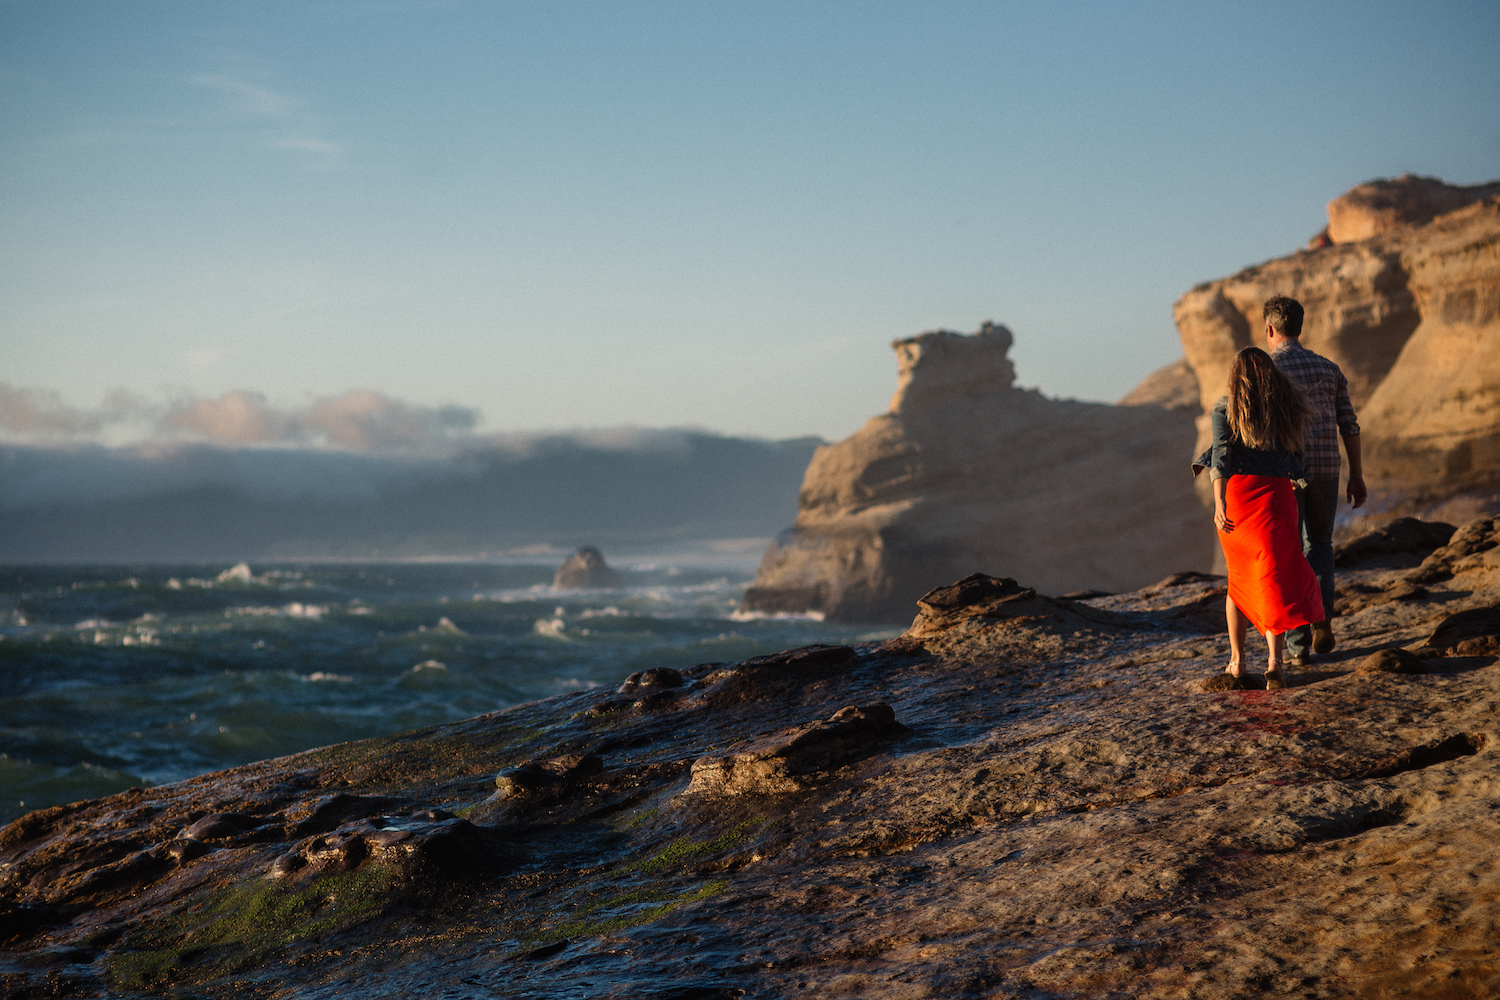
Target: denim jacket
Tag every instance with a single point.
(1228, 456)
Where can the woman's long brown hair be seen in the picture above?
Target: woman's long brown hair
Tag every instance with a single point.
(1266, 409)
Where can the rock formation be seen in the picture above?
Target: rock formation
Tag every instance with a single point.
(1377, 207)
(585, 570)
(1173, 386)
(1406, 298)
(1021, 796)
(967, 472)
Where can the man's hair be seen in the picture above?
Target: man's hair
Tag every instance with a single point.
(1266, 409)
(1284, 315)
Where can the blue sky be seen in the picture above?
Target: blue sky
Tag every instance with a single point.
(676, 214)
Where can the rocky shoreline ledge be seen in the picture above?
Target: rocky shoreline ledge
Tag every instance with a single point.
(1022, 796)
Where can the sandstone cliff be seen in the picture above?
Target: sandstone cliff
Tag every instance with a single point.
(966, 472)
(1022, 796)
(1406, 299)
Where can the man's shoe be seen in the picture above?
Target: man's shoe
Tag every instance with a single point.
(1322, 637)
(1299, 662)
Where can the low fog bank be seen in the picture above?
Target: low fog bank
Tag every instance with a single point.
(192, 502)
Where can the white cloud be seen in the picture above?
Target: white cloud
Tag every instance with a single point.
(201, 359)
(239, 417)
(360, 420)
(319, 146)
(252, 99)
(42, 413)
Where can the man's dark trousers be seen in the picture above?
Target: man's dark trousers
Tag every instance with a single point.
(1316, 507)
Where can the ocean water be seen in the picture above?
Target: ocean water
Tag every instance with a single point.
(115, 676)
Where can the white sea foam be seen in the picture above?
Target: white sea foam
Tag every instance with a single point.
(311, 612)
(238, 573)
(445, 625)
(789, 616)
(429, 665)
(552, 628)
(608, 612)
(319, 676)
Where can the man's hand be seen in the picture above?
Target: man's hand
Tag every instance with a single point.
(1357, 491)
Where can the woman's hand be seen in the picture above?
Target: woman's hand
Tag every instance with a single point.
(1221, 511)
(1221, 519)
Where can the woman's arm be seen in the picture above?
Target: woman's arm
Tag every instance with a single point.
(1219, 423)
(1221, 512)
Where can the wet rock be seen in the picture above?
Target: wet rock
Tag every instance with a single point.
(327, 812)
(32, 826)
(183, 849)
(979, 601)
(221, 826)
(1392, 661)
(586, 570)
(1405, 536)
(431, 840)
(775, 676)
(542, 777)
(794, 759)
(651, 681)
(814, 660)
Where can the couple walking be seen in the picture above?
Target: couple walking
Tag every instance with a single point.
(1274, 465)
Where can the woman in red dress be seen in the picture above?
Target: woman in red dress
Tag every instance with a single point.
(1253, 462)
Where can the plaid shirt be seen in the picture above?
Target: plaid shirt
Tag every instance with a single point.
(1327, 392)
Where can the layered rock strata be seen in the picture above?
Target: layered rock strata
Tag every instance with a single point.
(967, 472)
(1406, 299)
(1060, 811)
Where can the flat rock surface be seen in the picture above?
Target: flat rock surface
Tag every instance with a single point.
(1023, 796)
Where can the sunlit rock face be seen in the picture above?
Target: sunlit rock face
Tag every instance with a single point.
(968, 473)
(1406, 299)
(1376, 207)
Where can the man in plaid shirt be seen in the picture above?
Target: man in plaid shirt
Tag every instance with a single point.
(1327, 393)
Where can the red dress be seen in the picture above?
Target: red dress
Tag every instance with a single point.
(1269, 578)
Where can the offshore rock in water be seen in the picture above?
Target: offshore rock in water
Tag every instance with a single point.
(586, 570)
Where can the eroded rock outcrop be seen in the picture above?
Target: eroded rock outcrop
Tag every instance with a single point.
(797, 758)
(1405, 297)
(1380, 206)
(967, 472)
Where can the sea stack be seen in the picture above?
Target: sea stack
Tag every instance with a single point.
(969, 473)
(585, 570)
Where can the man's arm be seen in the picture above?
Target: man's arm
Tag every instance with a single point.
(1357, 492)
